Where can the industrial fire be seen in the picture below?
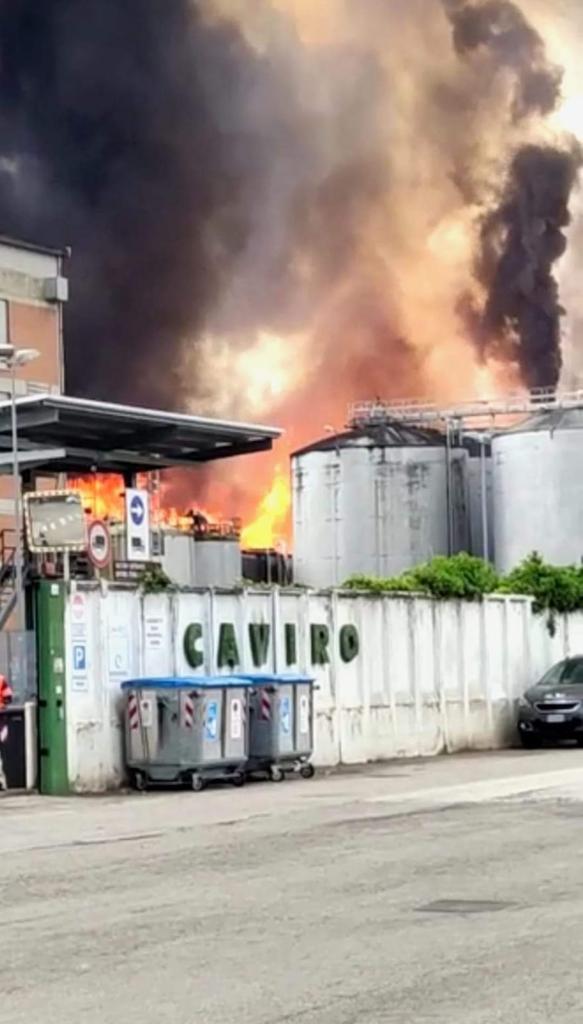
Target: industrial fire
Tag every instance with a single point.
(287, 214)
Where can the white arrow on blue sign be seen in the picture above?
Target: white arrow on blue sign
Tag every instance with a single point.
(137, 510)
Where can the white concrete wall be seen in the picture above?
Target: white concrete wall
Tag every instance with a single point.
(430, 676)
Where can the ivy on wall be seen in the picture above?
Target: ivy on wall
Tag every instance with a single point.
(555, 589)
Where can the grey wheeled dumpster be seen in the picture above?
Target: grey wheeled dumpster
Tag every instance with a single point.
(281, 728)
(186, 730)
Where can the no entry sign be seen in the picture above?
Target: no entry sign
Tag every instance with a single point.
(99, 548)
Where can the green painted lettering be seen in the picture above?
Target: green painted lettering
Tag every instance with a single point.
(320, 636)
(291, 647)
(192, 637)
(259, 633)
(349, 643)
(228, 655)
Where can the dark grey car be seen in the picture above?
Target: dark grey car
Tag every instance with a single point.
(553, 709)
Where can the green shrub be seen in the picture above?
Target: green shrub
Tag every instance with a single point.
(555, 589)
(153, 580)
(378, 585)
(461, 576)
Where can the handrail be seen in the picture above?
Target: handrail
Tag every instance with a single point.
(7, 565)
(418, 411)
(4, 546)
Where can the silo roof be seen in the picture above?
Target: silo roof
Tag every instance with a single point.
(553, 419)
(392, 434)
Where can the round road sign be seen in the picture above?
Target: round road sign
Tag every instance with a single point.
(99, 547)
(79, 607)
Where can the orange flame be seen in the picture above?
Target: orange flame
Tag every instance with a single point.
(103, 498)
(271, 523)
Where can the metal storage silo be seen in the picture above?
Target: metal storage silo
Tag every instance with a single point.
(377, 499)
(538, 489)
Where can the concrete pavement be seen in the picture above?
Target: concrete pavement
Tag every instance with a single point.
(442, 890)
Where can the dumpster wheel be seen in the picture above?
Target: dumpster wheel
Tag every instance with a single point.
(238, 779)
(196, 783)
(138, 781)
(276, 773)
(307, 771)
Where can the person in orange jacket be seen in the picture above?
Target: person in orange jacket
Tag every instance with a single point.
(6, 696)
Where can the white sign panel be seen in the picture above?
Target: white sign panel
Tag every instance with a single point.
(236, 719)
(119, 650)
(79, 642)
(138, 526)
(154, 633)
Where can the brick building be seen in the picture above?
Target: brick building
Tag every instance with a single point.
(33, 290)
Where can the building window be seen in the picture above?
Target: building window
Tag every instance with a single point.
(3, 322)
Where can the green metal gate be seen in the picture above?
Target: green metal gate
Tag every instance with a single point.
(52, 710)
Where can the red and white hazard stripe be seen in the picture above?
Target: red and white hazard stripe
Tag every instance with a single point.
(265, 706)
(188, 711)
(133, 712)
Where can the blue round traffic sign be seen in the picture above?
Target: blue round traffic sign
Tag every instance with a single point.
(137, 510)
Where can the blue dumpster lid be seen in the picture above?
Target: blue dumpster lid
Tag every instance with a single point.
(274, 678)
(189, 683)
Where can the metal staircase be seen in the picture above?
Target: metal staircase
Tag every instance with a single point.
(7, 576)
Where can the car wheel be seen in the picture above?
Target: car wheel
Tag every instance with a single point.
(530, 741)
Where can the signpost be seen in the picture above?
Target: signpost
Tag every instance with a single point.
(138, 525)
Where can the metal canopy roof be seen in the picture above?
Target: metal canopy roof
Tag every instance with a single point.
(23, 243)
(57, 433)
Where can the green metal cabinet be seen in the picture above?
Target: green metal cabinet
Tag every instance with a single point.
(52, 701)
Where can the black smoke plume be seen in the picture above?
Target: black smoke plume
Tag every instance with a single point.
(119, 135)
(181, 166)
(521, 242)
(523, 236)
(500, 29)
(210, 187)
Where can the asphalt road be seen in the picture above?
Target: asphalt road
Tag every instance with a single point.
(441, 891)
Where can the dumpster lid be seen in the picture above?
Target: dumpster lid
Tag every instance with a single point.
(274, 678)
(189, 683)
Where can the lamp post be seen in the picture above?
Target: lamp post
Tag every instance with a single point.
(12, 358)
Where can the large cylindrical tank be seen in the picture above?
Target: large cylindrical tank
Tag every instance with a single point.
(376, 500)
(538, 489)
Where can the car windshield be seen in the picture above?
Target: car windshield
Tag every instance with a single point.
(565, 673)
(572, 672)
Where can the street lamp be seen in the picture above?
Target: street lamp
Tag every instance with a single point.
(12, 358)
